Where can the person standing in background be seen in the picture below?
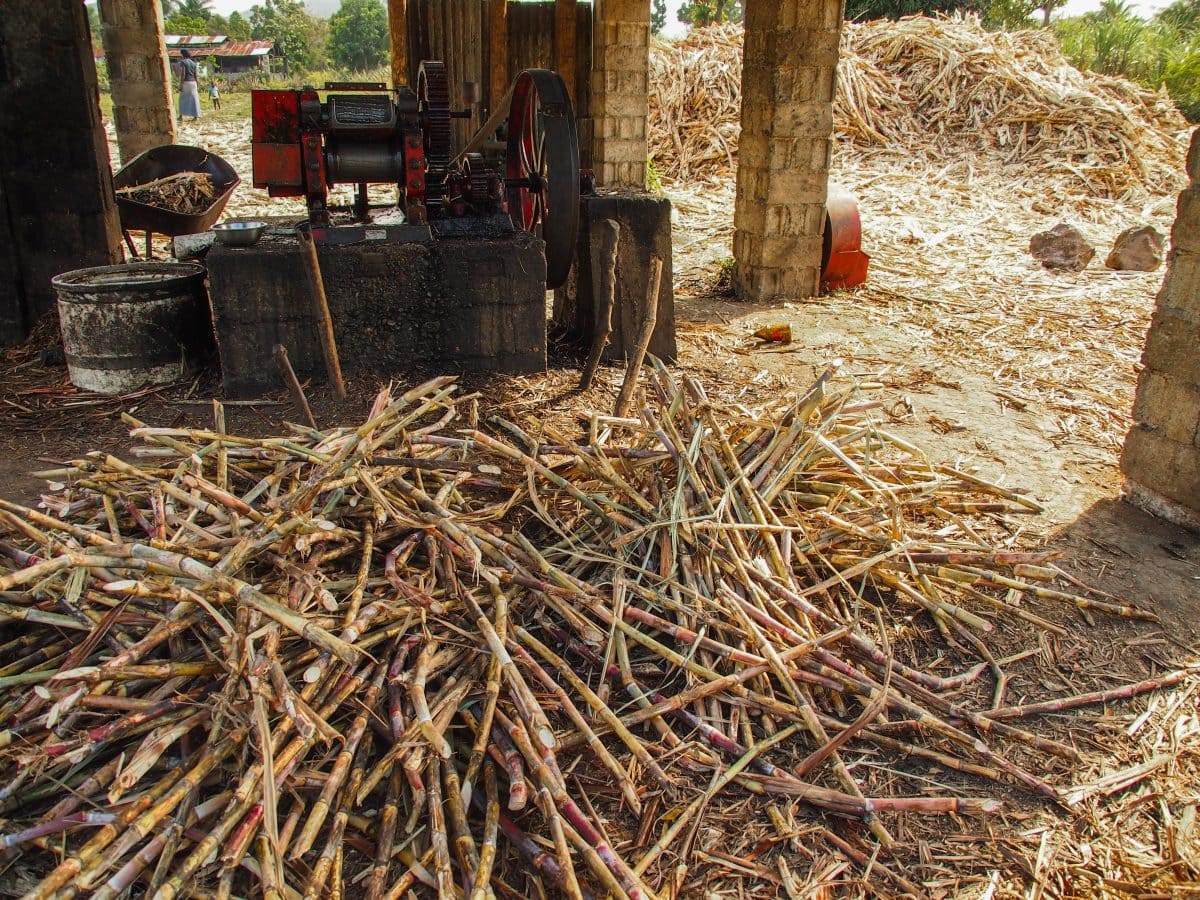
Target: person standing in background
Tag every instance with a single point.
(214, 94)
(189, 90)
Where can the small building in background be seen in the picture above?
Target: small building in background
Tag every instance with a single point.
(231, 58)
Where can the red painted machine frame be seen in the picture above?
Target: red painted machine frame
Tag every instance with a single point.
(288, 153)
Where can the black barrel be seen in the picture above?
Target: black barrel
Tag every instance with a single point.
(132, 325)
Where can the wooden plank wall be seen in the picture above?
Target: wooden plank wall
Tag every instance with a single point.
(456, 31)
(453, 31)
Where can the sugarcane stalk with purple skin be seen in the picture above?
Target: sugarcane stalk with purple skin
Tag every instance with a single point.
(1162, 682)
(550, 779)
(74, 864)
(678, 703)
(518, 790)
(593, 742)
(341, 768)
(533, 853)
(124, 878)
(388, 819)
(55, 826)
(111, 731)
(412, 751)
(789, 784)
(519, 691)
(395, 689)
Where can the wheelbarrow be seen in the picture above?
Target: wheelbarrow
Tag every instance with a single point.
(161, 162)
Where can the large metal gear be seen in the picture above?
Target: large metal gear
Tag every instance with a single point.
(433, 107)
(542, 167)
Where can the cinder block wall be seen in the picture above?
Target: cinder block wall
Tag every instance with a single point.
(57, 210)
(1161, 461)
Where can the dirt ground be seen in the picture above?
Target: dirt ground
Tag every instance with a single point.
(974, 354)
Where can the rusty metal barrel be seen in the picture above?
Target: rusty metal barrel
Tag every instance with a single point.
(132, 325)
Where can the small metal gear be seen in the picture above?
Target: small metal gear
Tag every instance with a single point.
(478, 178)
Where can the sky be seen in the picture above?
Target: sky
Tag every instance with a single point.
(674, 28)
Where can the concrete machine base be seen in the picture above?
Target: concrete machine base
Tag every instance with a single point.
(645, 221)
(400, 300)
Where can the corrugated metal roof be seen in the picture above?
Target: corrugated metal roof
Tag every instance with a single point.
(192, 40)
(232, 48)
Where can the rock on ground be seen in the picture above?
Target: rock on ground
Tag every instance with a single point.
(1063, 247)
(1138, 249)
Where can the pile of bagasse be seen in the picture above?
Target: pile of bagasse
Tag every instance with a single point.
(938, 89)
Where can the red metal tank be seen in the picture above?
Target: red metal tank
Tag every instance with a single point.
(843, 262)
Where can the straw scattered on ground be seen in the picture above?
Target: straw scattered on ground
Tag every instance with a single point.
(959, 144)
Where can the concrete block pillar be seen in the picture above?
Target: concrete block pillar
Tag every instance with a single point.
(620, 88)
(1161, 460)
(788, 79)
(139, 75)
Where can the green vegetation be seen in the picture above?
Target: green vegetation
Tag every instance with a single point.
(358, 34)
(862, 10)
(179, 23)
(709, 12)
(653, 178)
(1162, 52)
(658, 16)
(299, 37)
(235, 107)
(237, 27)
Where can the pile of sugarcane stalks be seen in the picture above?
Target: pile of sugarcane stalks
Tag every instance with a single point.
(184, 192)
(418, 656)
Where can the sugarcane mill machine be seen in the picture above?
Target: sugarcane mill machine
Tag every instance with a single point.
(519, 171)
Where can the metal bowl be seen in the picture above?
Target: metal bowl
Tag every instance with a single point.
(239, 234)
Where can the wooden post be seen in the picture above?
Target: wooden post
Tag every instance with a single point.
(646, 331)
(293, 383)
(565, 19)
(398, 27)
(498, 52)
(610, 233)
(312, 268)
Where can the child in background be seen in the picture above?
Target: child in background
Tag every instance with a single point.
(214, 95)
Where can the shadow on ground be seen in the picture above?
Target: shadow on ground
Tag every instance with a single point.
(1120, 549)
